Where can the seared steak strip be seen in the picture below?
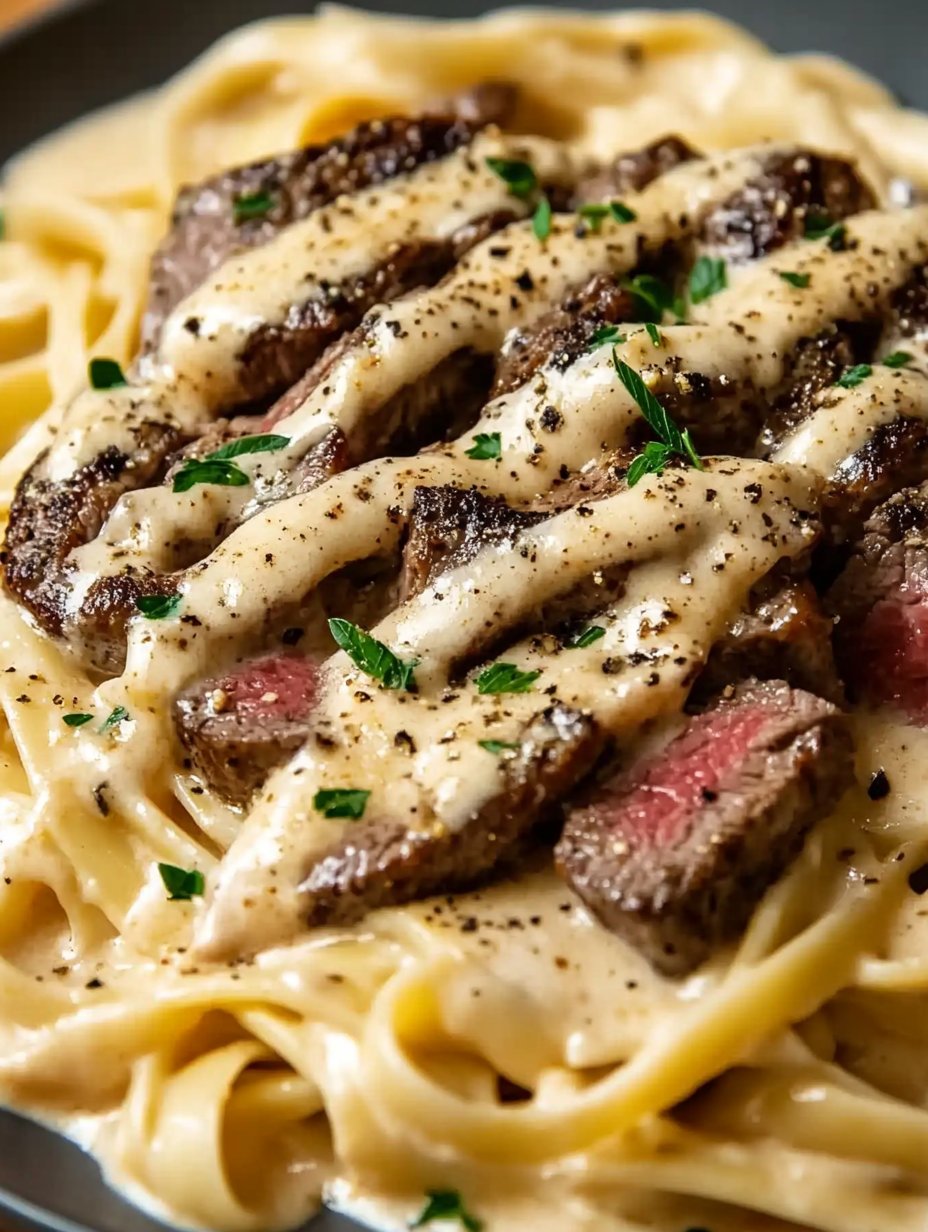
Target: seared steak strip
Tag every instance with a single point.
(635, 170)
(881, 603)
(674, 853)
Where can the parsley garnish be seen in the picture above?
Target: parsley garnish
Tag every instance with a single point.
(707, 277)
(251, 205)
(181, 883)
(654, 456)
(341, 802)
(158, 607)
(105, 374)
(819, 226)
(113, 719)
(854, 376)
(620, 212)
(606, 335)
(506, 678)
(487, 446)
(519, 177)
(541, 219)
(801, 281)
(898, 359)
(594, 213)
(217, 466)
(446, 1204)
(591, 634)
(373, 657)
(77, 720)
(653, 333)
(496, 746)
(654, 297)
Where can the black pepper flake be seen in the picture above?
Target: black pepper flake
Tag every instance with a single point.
(879, 787)
(290, 637)
(525, 282)
(100, 798)
(918, 880)
(94, 983)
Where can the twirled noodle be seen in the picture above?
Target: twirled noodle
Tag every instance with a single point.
(375, 1062)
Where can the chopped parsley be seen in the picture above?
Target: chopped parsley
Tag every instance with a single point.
(620, 212)
(854, 376)
(898, 359)
(217, 467)
(497, 746)
(819, 226)
(541, 219)
(181, 883)
(76, 720)
(671, 440)
(252, 205)
(580, 641)
(518, 176)
(596, 212)
(487, 447)
(606, 335)
(158, 607)
(347, 802)
(653, 333)
(654, 298)
(707, 277)
(446, 1204)
(800, 281)
(506, 678)
(373, 657)
(105, 374)
(113, 719)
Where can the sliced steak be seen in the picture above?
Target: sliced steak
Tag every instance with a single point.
(382, 861)
(881, 602)
(205, 230)
(560, 336)
(674, 853)
(784, 633)
(635, 170)
(238, 727)
(893, 456)
(772, 209)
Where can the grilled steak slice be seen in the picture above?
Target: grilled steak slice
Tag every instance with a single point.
(817, 363)
(382, 862)
(909, 306)
(674, 853)
(784, 633)
(448, 526)
(635, 170)
(881, 601)
(894, 455)
(772, 209)
(238, 727)
(205, 229)
(561, 336)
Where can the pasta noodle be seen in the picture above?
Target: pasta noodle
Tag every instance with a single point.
(782, 1085)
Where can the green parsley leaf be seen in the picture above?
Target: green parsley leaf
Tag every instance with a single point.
(541, 219)
(819, 226)
(158, 607)
(195, 471)
(505, 678)
(898, 359)
(487, 446)
(251, 205)
(519, 177)
(77, 720)
(620, 212)
(181, 883)
(707, 277)
(661, 423)
(105, 374)
(800, 281)
(653, 333)
(446, 1204)
(651, 461)
(854, 376)
(589, 635)
(497, 746)
(373, 657)
(654, 298)
(341, 802)
(113, 719)
(593, 214)
(606, 335)
(267, 442)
